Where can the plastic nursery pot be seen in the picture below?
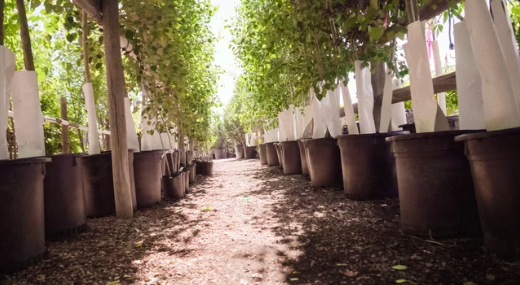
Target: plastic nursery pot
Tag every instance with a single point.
(193, 171)
(147, 172)
(368, 166)
(250, 152)
(63, 195)
(263, 154)
(173, 186)
(186, 175)
(272, 155)
(291, 157)
(436, 192)
(98, 184)
(220, 153)
(303, 158)
(324, 162)
(279, 153)
(22, 242)
(409, 128)
(239, 150)
(205, 168)
(132, 178)
(495, 164)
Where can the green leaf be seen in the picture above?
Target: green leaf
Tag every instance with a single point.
(139, 244)
(400, 267)
(400, 281)
(376, 33)
(113, 283)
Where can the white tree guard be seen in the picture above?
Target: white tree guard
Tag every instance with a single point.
(307, 118)
(386, 105)
(469, 83)
(330, 113)
(94, 146)
(248, 143)
(509, 46)
(320, 129)
(441, 97)
(148, 141)
(299, 120)
(365, 97)
(289, 123)
(27, 114)
(131, 133)
(500, 108)
(7, 66)
(350, 117)
(253, 140)
(424, 105)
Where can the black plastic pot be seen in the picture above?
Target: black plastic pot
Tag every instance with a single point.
(272, 154)
(239, 150)
(324, 162)
(409, 128)
(436, 192)
(22, 220)
(220, 153)
(193, 170)
(303, 158)
(173, 186)
(98, 183)
(63, 195)
(250, 152)
(495, 165)
(205, 168)
(186, 175)
(292, 163)
(263, 154)
(279, 153)
(368, 166)
(147, 171)
(132, 178)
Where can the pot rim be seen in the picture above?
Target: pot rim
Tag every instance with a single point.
(149, 151)
(375, 135)
(487, 134)
(452, 133)
(28, 160)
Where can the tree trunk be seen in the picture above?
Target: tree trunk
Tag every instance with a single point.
(26, 38)
(65, 145)
(378, 86)
(81, 141)
(116, 96)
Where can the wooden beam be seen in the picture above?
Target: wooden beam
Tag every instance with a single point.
(444, 83)
(116, 95)
(93, 8)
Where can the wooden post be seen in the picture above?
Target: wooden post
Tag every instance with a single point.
(65, 146)
(26, 38)
(116, 95)
(378, 86)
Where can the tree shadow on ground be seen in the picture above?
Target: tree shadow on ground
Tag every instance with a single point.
(349, 242)
(114, 250)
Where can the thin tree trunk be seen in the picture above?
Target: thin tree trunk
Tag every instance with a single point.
(65, 145)
(81, 141)
(26, 38)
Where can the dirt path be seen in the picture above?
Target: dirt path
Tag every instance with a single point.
(249, 224)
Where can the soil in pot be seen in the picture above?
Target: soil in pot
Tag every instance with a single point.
(147, 172)
(263, 154)
(436, 192)
(239, 150)
(368, 166)
(173, 186)
(495, 165)
(65, 213)
(205, 168)
(193, 170)
(250, 152)
(22, 217)
(98, 183)
(291, 157)
(303, 158)
(272, 154)
(324, 162)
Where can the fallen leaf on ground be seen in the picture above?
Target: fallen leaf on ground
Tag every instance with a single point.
(400, 267)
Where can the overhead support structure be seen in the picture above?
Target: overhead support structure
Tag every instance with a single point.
(93, 8)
